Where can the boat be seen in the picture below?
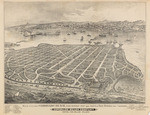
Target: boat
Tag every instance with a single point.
(134, 37)
(74, 32)
(128, 40)
(64, 40)
(89, 35)
(102, 35)
(81, 38)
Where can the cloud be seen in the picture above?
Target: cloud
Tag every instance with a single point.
(115, 12)
(84, 15)
(46, 12)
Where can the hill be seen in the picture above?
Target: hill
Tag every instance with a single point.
(56, 28)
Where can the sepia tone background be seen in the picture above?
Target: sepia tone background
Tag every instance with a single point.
(100, 110)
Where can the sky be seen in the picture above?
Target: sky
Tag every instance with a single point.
(17, 13)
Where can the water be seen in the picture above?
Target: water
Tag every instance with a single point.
(134, 51)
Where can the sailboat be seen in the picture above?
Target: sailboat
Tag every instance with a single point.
(81, 38)
(134, 37)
